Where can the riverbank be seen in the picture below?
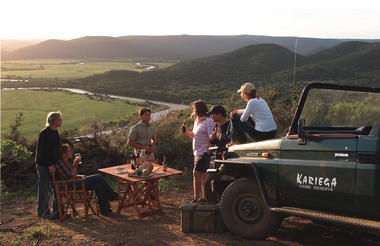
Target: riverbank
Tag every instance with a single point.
(155, 116)
(78, 107)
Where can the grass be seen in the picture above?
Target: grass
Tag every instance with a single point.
(76, 109)
(167, 184)
(67, 69)
(17, 212)
(37, 232)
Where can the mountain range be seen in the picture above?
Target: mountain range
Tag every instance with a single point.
(177, 47)
(216, 77)
(266, 65)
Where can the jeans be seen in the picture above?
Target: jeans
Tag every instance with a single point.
(103, 191)
(44, 182)
(241, 131)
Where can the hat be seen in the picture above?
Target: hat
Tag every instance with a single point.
(246, 87)
(217, 110)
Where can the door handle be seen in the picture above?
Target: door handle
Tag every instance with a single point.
(341, 155)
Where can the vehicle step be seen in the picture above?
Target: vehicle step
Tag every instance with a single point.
(327, 217)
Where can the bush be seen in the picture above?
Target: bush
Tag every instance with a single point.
(170, 142)
(12, 154)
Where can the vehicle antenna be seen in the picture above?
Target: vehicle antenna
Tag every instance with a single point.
(294, 68)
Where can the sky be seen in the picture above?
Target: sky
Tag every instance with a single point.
(69, 19)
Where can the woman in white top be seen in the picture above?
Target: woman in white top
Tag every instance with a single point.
(264, 126)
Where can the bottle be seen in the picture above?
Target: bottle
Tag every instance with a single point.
(133, 161)
(142, 156)
(138, 161)
(164, 164)
(183, 127)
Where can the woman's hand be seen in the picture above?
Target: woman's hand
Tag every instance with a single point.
(77, 159)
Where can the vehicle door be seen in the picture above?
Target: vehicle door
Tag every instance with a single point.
(319, 173)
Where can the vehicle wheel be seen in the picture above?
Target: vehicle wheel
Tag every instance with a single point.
(244, 212)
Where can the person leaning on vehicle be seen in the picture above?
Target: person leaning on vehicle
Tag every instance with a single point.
(258, 109)
(219, 137)
(47, 147)
(142, 136)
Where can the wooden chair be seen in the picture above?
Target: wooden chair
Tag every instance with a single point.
(69, 193)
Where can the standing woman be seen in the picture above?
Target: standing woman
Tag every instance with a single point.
(257, 108)
(202, 130)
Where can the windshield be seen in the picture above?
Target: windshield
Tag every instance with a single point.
(325, 107)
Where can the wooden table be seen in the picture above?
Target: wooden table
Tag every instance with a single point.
(141, 193)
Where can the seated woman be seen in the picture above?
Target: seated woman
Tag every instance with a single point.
(66, 171)
(263, 127)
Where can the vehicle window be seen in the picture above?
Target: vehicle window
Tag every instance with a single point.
(325, 108)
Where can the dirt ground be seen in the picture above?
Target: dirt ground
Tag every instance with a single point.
(19, 220)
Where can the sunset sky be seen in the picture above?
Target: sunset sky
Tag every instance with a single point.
(45, 19)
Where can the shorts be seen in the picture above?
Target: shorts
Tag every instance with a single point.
(201, 162)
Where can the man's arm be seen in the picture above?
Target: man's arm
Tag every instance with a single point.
(154, 141)
(135, 145)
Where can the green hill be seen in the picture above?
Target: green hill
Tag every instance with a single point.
(353, 62)
(216, 77)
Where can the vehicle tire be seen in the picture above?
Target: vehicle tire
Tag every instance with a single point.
(244, 212)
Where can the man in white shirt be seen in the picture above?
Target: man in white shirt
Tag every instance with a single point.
(264, 126)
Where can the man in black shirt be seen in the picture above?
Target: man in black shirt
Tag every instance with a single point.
(219, 138)
(46, 156)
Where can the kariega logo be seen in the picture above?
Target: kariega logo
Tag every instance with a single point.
(316, 183)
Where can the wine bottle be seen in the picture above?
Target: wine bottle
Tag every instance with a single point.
(164, 164)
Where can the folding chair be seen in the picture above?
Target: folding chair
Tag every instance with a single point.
(69, 193)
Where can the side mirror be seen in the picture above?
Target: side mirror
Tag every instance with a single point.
(301, 132)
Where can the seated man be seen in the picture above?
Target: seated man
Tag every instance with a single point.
(66, 171)
(142, 136)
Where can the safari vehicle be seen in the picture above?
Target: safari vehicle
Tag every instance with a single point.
(326, 168)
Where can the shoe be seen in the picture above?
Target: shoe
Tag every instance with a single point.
(44, 214)
(52, 217)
